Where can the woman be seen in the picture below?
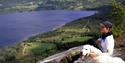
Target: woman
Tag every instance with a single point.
(106, 40)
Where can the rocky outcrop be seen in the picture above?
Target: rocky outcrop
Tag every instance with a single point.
(58, 57)
(66, 56)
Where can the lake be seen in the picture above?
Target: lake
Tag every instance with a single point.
(17, 26)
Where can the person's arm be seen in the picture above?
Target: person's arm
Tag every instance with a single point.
(109, 45)
(98, 41)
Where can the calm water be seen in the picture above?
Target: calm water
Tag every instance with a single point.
(18, 26)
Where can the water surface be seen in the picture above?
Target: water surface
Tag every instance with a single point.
(18, 26)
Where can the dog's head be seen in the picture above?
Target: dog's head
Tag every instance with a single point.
(89, 50)
(86, 51)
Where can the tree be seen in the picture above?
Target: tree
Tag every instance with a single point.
(118, 18)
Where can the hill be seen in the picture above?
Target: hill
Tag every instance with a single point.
(30, 5)
(75, 33)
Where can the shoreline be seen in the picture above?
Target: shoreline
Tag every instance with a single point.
(55, 28)
(42, 45)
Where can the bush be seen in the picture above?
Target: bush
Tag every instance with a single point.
(118, 18)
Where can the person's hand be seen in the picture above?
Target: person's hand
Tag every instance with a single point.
(98, 40)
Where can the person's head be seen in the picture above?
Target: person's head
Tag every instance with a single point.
(105, 27)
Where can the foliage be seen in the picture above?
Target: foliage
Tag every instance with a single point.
(118, 18)
(30, 5)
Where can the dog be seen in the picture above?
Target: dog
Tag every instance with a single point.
(90, 54)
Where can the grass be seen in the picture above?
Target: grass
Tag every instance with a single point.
(76, 39)
(38, 48)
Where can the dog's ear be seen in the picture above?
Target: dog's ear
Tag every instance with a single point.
(91, 49)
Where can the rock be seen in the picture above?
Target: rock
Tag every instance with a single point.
(58, 57)
(122, 44)
(67, 56)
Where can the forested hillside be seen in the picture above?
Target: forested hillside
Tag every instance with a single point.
(29, 5)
